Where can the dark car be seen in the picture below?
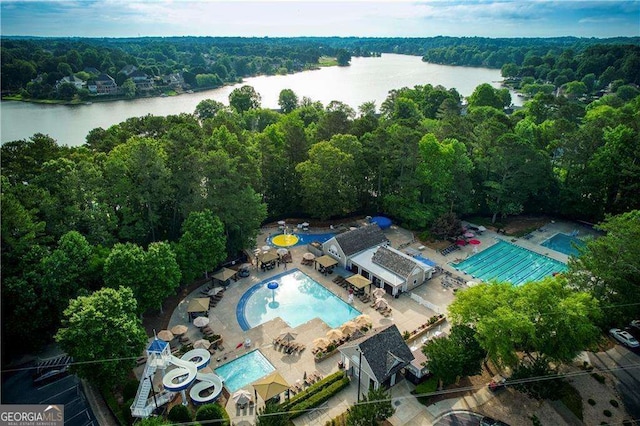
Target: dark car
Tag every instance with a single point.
(488, 421)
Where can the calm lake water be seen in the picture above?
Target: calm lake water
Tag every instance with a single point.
(367, 79)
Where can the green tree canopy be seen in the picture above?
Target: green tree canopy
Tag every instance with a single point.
(244, 98)
(372, 409)
(202, 246)
(288, 100)
(103, 334)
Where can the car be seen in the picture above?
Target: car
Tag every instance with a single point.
(497, 382)
(635, 324)
(488, 421)
(624, 337)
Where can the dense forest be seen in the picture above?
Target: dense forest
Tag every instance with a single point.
(154, 202)
(34, 68)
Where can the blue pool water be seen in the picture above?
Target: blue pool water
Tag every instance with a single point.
(244, 370)
(297, 300)
(425, 260)
(307, 238)
(564, 244)
(504, 261)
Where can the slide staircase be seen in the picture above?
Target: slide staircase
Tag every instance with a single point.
(143, 406)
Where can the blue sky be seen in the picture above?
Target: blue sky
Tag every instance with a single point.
(487, 18)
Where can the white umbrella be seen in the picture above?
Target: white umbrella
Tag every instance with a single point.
(471, 283)
(201, 344)
(334, 334)
(266, 248)
(382, 303)
(348, 327)
(242, 397)
(308, 256)
(282, 251)
(281, 222)
(201, 321)
(305, 224)
(321, 342)
(378, 292)
(363, 320)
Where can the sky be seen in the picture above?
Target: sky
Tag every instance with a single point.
(360, 18)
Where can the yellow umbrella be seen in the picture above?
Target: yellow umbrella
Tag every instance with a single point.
(321, 342)
(179, 329)
(334, 334)
(348, 327)
(271, 385)
(165, 335)
(363, 320)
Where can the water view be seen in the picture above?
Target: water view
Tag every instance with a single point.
(367, 79)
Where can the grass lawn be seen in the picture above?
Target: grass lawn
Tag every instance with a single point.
(327, 61)
(427, 387)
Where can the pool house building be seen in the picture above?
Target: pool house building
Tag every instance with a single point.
(366, 251)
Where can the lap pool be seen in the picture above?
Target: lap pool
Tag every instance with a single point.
(507, 262)
(296, 298)
(244, 370)
(564, 243)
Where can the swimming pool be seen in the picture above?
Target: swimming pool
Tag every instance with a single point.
(244, 370)
(507, 262)
(564, 244)
(297, 299)
(304, 238)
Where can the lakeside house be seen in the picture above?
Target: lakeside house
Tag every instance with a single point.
(71, 79)
(104, 84)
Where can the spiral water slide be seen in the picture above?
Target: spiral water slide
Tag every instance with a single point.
(186, 373)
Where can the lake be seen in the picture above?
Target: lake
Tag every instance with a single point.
(367, 79)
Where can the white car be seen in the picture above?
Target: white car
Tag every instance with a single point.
(624, 337)
(635, 324)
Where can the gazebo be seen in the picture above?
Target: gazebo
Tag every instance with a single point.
(326, 262)
(224, 275)
(358, 281)
(270, 386)
(197, 307)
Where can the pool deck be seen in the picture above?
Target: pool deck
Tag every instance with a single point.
(407, 314)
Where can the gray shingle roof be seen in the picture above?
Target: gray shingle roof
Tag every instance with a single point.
(385, 351)
(394, 262)
(360, 239)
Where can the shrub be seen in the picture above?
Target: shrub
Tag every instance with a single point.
(600, 378)
(535, 420)
(614, 403)
(591, 402)
(212, 412)
(180, 414)
(318, 398)
(406, 335)
(313, 389)
(607, 413)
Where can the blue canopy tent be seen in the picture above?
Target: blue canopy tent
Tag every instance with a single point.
(381, 221)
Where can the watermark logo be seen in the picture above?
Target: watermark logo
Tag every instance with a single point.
(32, 415)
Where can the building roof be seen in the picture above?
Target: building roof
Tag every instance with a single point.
(385, 351)
(105, 78)
(365, 261)
(157, 346)
(394, 261)
(361, 239)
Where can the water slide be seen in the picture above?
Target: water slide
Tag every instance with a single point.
(186, 373)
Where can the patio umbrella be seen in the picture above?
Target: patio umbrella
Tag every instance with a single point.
(288, 335)
(348, 327)
(242, 397)
(474, 242)
(461, 242)
(165, 335)
(282, 251)
(308, 256)
(201, 321)
(381, 303)
(177, 330)
(469, 234)
(201, 344)
(266, 248)
(281, 222)
(321, 342)
(334, 334)
(267, 257)
(378, 292)
(305, 224)
(471, 283)
(363, 320)
(271, 385)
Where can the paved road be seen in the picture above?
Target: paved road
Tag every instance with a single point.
(625, 366)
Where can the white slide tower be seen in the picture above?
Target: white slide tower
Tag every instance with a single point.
(178, 379)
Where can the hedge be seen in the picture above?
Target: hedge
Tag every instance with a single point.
(318, 398)
(312, 390)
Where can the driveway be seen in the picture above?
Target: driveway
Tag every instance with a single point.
(624, 366)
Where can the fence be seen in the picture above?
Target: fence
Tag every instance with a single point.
(425, 303)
